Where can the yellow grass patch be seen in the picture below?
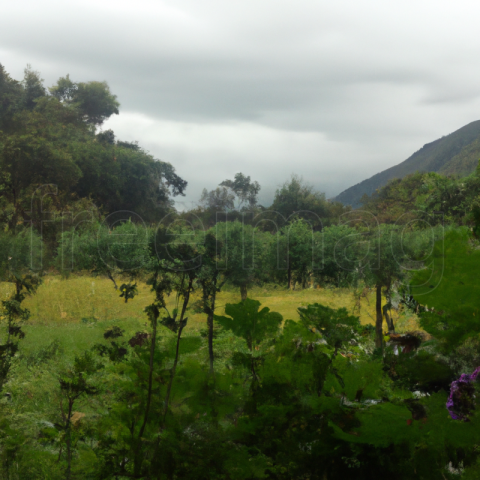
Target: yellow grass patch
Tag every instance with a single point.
(60, 301)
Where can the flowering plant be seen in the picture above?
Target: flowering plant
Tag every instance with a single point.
(461, 401)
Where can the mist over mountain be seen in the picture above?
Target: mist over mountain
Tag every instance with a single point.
(454, 154)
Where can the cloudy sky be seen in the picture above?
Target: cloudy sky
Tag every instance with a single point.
(333, 91)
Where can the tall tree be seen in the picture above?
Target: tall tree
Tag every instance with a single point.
(11, 97)
(33, 87)
(391, 255)
(93, 100)
(294, 253)
(218, 200)
(296, 195)
(210, 281)
(242, 259)
(245, 190)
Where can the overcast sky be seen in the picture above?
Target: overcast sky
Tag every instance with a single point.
(333, 91)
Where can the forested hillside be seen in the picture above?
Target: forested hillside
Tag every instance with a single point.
(431, 197)
(454, 154)
(49, 139)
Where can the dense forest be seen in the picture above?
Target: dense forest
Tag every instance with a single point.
(250, 393)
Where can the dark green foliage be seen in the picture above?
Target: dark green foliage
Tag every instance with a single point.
(128, 290)
(400, 198)
(418, 371)
(466, 356)
(107, 251)
(49, 141)
(337, 254)
(295, 253)
(317, 406)
(14, 271)
(242, 259)
(33, 88)
(113, 332)
(450, 290)
(336, 326)
(93, 100)
(426, 199)
(11, 97)
(300, 198)
(475, 207)
(121, 178)
(254, 327)
(74, 384)
(248, 322)
(115, 351)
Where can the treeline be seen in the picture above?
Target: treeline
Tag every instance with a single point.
(59, 172)
(237, 199)
(450, 200)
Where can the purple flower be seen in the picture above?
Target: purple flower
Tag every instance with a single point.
(461, 401)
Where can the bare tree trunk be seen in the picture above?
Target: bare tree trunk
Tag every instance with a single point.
(379, 322)
(138, 460)
(209, 298)
(389, 320)
(243, 291)
(68, 440)
(210, 340)
(182, 323)
(175, 363)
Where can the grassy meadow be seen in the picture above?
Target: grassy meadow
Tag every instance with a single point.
(76, 311)
(69, 316)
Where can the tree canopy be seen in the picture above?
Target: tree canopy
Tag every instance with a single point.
(49, 137)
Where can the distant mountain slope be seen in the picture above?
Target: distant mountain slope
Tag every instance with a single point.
(465, 162)
(457, 153)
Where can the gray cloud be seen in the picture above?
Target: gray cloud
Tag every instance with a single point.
(335, 91)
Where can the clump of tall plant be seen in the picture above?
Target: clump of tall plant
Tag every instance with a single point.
(16, 257)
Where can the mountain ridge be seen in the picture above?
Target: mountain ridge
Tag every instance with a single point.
(453, 154)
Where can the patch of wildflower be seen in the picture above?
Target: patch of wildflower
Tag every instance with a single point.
(461, 401)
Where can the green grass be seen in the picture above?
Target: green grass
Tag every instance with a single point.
(76, 311)
(67, 301)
